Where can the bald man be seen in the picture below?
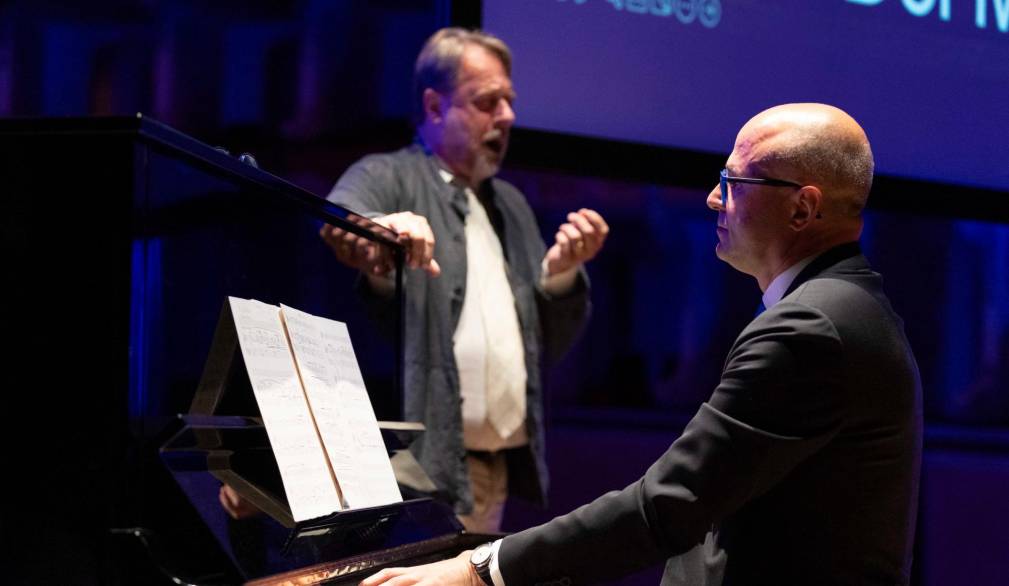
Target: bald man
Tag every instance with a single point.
(802, 467)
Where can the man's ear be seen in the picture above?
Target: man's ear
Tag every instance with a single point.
(808, 207)
(432, 106)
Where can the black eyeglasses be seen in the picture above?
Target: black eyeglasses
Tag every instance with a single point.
(724, 179)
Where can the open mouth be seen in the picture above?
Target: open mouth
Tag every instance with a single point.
(495, 141)
(496, 145)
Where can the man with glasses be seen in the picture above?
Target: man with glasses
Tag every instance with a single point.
(802, 467)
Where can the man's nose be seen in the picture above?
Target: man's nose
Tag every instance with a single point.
(505, 115)
(715, 199)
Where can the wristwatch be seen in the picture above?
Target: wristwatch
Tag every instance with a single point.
(480, 560)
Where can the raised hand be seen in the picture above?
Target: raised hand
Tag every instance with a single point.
(577, 241)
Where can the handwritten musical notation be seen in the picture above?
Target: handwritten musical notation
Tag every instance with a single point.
(343, 413)
(287, 416)
(316, 410)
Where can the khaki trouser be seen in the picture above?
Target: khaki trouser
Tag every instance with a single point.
(488, 479)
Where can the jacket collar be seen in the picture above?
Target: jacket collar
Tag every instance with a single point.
(823, 262)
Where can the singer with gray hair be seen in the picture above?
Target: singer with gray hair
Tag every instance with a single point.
(486, 299)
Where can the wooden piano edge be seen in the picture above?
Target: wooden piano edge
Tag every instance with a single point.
(363, 565)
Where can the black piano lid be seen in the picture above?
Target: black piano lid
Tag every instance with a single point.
(178, 144)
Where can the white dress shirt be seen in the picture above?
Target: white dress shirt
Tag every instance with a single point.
(776, 290)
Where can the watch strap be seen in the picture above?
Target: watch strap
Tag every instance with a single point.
(482, 565)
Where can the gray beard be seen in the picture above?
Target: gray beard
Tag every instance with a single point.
(485, 169)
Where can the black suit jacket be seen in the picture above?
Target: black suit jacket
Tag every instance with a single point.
(805, 459)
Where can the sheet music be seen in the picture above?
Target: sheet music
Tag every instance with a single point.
(308, 481)
(342, 409)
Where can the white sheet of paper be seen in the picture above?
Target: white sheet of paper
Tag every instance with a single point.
(308, 481)
(342, 409)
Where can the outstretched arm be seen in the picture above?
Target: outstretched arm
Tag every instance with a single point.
(456, 571)
(413, 233)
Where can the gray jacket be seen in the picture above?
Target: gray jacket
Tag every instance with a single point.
(408, 180)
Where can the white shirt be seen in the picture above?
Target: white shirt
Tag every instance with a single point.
(776, 290)
(488, 339)
(488, 346)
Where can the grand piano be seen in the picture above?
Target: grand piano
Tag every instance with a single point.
(122, 239)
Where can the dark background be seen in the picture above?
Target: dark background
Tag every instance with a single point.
(310, 86)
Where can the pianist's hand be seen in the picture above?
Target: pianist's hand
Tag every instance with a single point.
(456, 571)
